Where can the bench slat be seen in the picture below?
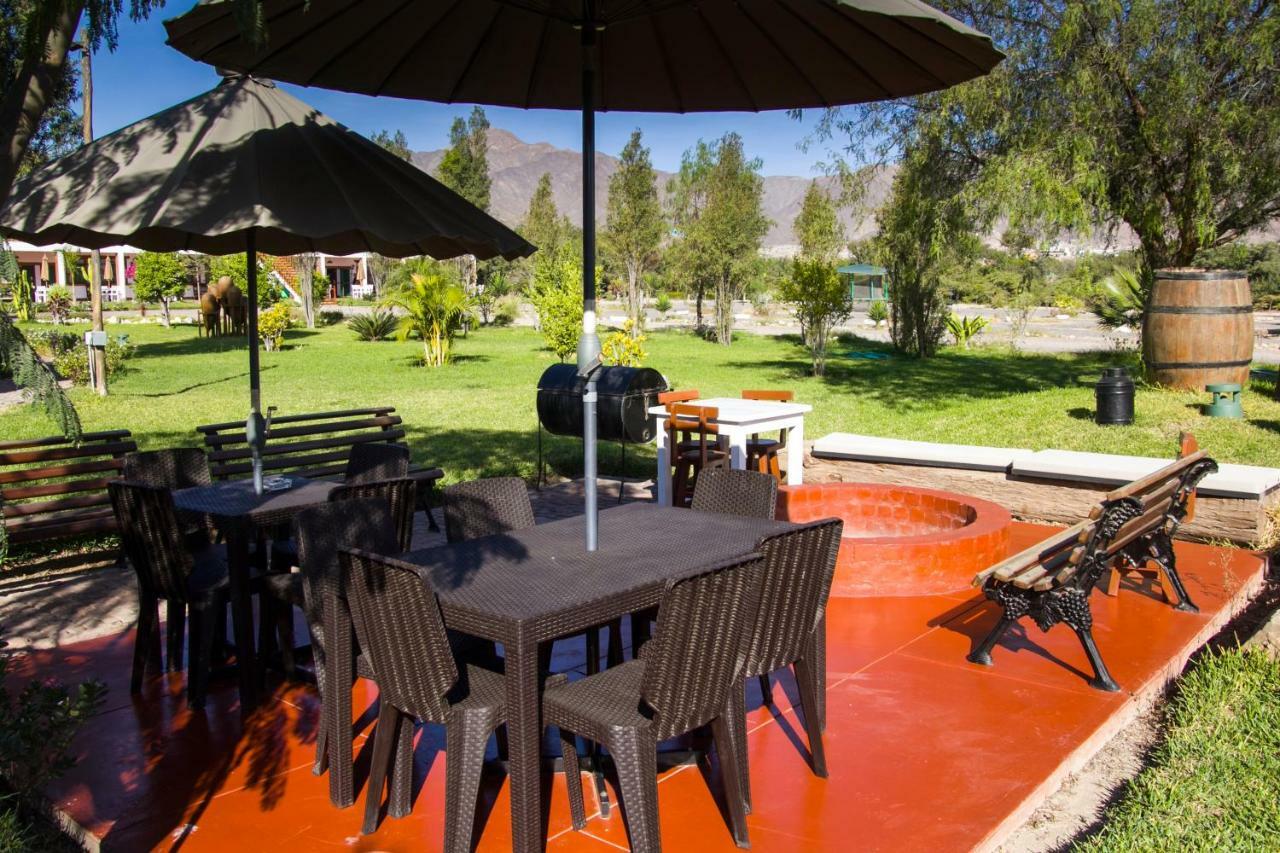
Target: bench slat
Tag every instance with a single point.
(57, 454)
(20, 532)
(302, 447)
(54, 440)
(228, 438)
(33, 508)
(1141, 485)
(31, 475)
(1041, 550)
(306, 416)
(65, 487)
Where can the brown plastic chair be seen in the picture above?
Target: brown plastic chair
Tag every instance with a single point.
(195, 584)
(681, 682)
(790, 630)
(703, 454)
(174, 468)
(397, 620)
(763, 453)
(670, 398)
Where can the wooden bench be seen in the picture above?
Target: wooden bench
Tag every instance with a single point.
(314, 445)
(52, 488)
(1132, 529)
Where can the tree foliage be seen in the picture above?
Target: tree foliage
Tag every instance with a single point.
(556, 293)
(821, 301)
(395, 142)
(160, 277)
(435, 307)
(634, 224)
(817, 227)
(465, 165)
(717, 210)
(20, 361)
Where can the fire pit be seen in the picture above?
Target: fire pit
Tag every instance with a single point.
(900, 540)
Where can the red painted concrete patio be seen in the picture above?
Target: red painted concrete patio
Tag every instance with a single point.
(926, 750)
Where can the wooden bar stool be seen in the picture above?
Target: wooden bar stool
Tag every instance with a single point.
(763, 453)
(670, 398)
(694, 422)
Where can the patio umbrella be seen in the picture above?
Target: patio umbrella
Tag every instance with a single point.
(247, 167)
(644, 55)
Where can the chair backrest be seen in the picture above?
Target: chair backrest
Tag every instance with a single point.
(736, 492)
(170, 468)
(666, 398)
(696, 653)
(799, 565)
(401, 495)
(320, 531)
(692, 424)
(398, 624)
(152, 538)
(776, 396)
(371, 462)
(486, 508)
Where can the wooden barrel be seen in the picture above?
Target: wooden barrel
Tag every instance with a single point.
(1199, 328)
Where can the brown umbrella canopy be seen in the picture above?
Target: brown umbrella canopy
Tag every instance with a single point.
(653, 55)
(248, 157)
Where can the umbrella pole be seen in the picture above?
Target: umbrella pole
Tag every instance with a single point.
(589, 343)
(255, 429)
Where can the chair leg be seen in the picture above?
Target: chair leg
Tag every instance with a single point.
(284, 631)
(593, 651)
(639, 631)
(384, 741)
(175, 627)
(465, 739)
(573, 778)
(1102, 679)
(400, 799)
(636, 759)
(818, 656)
(766, 689)
(321, 763)
(200, 653)
(982, 654)
(614, 655)
(143, 639)
(735, 721)
(1164, 556)
(809, 705)
(731, 773)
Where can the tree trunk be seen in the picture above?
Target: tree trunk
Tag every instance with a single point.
(698, 310)
(27, 96)
(164, 309)
(724, 310)
(633, 297)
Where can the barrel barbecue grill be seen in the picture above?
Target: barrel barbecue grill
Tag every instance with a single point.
(622, 412)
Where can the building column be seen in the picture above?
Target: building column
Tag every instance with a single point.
(60, 270)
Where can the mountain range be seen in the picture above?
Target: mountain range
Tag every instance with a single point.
(516, 166)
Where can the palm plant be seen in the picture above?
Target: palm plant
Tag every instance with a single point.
(435, 308)
(377, 325)
(1121, 302)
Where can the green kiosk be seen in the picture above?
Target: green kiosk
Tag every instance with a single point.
(866, 282)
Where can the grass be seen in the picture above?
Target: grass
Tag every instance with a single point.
(476, 417)
(1214, 780)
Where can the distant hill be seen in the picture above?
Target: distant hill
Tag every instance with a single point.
(516, 167)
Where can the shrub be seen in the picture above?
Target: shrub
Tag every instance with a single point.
(272, 325)
(51, 343)
(965, 329)
(506, 311)
(330, 318)
(161, 277)
(821, 301)
(435, 306)
(662, 304)
(377, 325)
(878, 312)
(557, 296)
(622, 349)
(73, 363)
(1121, 300)
(59, 302)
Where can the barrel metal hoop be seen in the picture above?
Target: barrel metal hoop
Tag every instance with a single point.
(1200, 275)
(1200, 309)
(1197, 365)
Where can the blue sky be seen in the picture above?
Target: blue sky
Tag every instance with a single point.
(144, 76)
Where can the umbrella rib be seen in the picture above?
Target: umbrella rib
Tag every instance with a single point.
(666, 62)
(885, 91)
(400, 63)
(339, 54)
(475, 52)
(939, 83)
(724, 54)
(768, 36)
(536, 70)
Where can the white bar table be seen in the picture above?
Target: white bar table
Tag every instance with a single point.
(738, 420)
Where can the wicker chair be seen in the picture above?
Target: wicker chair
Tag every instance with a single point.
(174, 468)
(399, 626)
(371, 462)
(195, 584)
(498, 505)
(680, 683)
(728, 492)
(486, 508)
(790, 629)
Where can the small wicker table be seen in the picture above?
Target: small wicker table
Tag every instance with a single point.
(529, 587)
(237, 513)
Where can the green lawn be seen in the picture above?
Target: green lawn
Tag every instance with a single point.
(477, 416)
(1214, 781)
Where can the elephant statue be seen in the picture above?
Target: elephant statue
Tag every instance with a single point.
(210, 314)
(235, 308)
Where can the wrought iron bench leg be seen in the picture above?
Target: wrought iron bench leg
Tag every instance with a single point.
(1102, 679)
(1162, 553)
(982, 654)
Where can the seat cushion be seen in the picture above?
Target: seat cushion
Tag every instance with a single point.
(610, 699)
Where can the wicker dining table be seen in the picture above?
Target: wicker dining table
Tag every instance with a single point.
(238, 513)
(529, 587)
